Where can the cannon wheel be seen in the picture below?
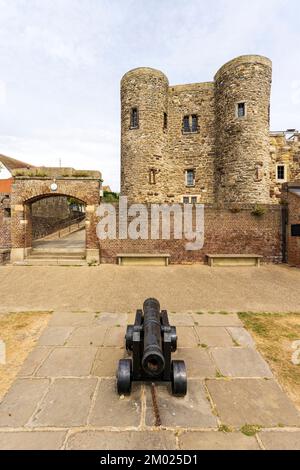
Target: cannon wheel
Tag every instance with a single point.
(129, 338)
(178, 378)
(124, 376)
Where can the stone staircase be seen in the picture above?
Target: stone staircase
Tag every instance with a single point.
(56, 256)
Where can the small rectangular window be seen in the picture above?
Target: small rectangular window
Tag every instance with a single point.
(165, 121)
(134, 118)
(186, 124)
(241, 110)
(190, 177)
(186, 200)
(194, 123)
(280, 173)
(194, 199)
(295, 230)
(7, 212)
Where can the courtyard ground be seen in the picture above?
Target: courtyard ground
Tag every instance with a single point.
(64, 396)
(114, 288)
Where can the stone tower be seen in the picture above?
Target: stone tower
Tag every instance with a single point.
(242, 107)
(201, 142)
(144, 102)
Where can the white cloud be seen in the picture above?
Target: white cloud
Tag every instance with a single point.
(63, 60)
(3, 93)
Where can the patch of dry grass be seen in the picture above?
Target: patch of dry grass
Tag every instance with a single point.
(20, 332)
(274, 335)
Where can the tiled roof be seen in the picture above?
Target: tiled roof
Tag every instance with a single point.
(12, 163)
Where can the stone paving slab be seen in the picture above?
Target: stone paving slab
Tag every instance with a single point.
(240, 362)
(70, 386)
(241, 336)
(111, 319)
(66, 404)
(198, 362)
(138, 440)
(214, 319)
(181, 319)
(21, 401)
(214, 336)
(115, 336)
(55, 336)
(87, 336)
(252, 401)
(106, 361)
(111, 410)
(187, 337)
(280, 440)
(191, 411)
(211, 440)
(32, 440)
(72, 319)
(66, 362)
(34, 360)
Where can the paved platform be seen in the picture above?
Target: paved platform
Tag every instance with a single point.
(65, 395)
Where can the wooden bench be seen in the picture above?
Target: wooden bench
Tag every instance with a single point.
(143, 259)
(234, 260)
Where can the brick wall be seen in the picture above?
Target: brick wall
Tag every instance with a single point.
(293, 243)
(225, 232)
(5, 221)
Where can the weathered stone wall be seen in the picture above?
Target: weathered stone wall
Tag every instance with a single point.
(192, 150)
(229, 155)
(52, 207)
(144, 148)
(284, 151)
(5, 228)
(226, 232)
(242, 144)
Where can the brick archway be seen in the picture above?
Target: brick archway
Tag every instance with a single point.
(29, 186)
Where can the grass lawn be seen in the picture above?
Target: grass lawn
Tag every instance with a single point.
(274, 335)
(20, 332)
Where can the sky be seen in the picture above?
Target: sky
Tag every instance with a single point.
(61, 62)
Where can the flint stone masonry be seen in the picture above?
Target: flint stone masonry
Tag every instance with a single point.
(234, 159)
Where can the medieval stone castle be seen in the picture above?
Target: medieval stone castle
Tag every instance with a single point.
(204, 142)
(208, 143)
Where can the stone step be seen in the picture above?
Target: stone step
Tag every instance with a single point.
(51, 262)
(66, 255)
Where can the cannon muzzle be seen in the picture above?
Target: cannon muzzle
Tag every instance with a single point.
(153, 361)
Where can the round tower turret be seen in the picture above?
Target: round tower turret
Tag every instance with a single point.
(242, 100)
(144, 102)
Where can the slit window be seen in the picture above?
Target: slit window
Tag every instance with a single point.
(165, 121)
(134, 118)
(152, 176)
(241, 110)
(190, 177)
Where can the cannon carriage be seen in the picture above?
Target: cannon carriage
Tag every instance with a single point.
(151, 340)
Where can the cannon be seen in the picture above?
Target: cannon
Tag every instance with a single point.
(151, 340)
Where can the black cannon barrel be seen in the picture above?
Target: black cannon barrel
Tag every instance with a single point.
(153, 361)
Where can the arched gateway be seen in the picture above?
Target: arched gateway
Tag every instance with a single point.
(38, 183)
